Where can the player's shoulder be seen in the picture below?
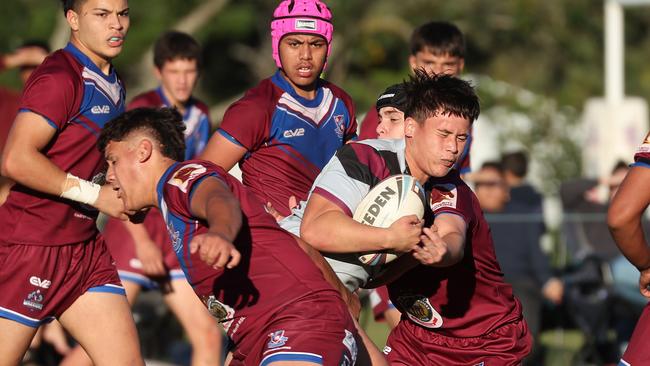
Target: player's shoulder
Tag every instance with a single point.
(60, 67)
(259, 99)
(147, 99)
(336, 90)
(449, 191)
(185, 173)
(201, 105)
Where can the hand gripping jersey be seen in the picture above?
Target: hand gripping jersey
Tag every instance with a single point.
(289, 138)
(196, 119)
(467, 299)
(76, 99)
(273, 272)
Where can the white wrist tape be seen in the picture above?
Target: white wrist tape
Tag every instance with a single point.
(80, 190)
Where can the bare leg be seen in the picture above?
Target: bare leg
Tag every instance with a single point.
(78, 356)
(202, 329)
(102, 323)
(14, 341)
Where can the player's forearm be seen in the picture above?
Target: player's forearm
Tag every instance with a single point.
(335, 232)
(224, 216)
(456, 249)
(630, 240)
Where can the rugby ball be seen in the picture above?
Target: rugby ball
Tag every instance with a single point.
(392, 198)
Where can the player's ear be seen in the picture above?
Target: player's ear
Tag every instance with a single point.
(73, 19)
(157, 73)
(409, 126)
(413, 62)
(145, 150)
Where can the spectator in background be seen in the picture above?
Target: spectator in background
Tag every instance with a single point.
(517, 246)
(437, 48)
(524, 198)
(26, 58)
(585, 203)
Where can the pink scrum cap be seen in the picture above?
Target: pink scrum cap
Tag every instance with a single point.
(300, 16)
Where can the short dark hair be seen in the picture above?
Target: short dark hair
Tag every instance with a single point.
(439, 38)
(516, 163)
(431, 95)
(176, 45)
(165, 125)
(70, 5)
(492, 164)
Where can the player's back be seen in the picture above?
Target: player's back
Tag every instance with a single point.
(288, 138)
(76, 99)
(274, 270)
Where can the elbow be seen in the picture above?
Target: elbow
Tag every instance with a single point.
(310, 235)
(618, 217)
(9, 166)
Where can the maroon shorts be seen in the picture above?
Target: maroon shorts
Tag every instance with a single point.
(380, 302)
(122, 248)
(38, 283)
(637, 352)
(409, 344)
(316, 329)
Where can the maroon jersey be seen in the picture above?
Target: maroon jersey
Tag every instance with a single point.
(642, 155)
(288, 138)
(274, 270)
(77, 99)
(467, 299)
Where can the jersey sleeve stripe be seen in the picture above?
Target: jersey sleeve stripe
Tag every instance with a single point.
(49, 122)
(335, 200)
(230, 138)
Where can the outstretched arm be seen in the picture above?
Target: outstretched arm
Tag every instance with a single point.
(213, 202)
(624, 221)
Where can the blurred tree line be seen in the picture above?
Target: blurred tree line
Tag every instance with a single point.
(550, 49)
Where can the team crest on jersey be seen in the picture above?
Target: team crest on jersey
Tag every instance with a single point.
(34, 300)
(443, 195)
(184, 175)
(277, 339)
(219, 310)
(340, 125)
(419, 309)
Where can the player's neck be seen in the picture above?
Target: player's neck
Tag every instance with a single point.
(161, 167)
(308, 92)
(414, 169)
(102, 63)
(173, 103)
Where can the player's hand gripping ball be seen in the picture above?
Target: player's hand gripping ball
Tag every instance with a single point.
(394, 197)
